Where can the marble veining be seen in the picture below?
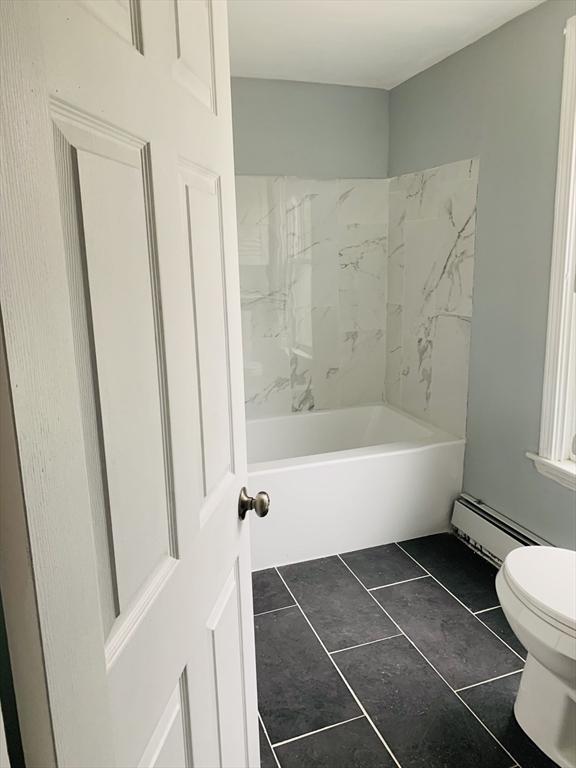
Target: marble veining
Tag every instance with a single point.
(430, 276)
(357, 291)
(313, 282)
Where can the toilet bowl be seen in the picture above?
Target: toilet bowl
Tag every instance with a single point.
(537, 591)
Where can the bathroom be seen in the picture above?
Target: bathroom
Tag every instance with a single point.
(288, 384)
(396, 219)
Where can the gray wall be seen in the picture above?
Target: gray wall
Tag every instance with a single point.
(500, 99)
(283, 128)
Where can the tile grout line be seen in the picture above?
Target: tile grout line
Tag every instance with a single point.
(361, 645)
(395, 583)
(268, 740)
(434, 668)
(522, 658)
(318, 730)
(490, 680)
(338, 670)
(401, 631)
(485, 610)
(284, 607)
(462, 604)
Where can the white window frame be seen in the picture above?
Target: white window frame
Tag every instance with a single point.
(555, 458)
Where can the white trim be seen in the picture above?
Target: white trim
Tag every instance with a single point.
(564, 472)
(556, 426)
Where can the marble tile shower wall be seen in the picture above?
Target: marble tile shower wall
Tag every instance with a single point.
(313, 284)
(358, 291)
(432, 224)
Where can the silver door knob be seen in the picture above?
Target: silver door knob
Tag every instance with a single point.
(259, 503)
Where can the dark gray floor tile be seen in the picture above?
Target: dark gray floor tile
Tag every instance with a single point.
(269, 591)
(338, 607)
(498, 623)
(421, 719)
(350, 745)
(494, 704)
(266, 757)
(298, 688)
(378, 566)
(464, 573)
(461, 648)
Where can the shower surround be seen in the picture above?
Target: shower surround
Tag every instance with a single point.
(358, 291)
(313, 282)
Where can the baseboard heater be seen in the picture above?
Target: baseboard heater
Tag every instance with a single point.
(486, 531)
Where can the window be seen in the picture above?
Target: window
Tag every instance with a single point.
(557, 451)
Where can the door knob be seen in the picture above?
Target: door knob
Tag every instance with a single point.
(259, 503)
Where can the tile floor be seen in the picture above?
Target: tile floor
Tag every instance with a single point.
(393, 656)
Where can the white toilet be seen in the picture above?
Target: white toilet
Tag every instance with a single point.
(537, 591)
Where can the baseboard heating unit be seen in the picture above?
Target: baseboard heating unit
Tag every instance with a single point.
(487, 531)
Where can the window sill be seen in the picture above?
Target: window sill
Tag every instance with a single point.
(563, 472)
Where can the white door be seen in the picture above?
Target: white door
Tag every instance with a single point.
(120, 310)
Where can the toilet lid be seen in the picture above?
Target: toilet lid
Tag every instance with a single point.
(546, 578)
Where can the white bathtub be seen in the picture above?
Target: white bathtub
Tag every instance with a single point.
(350, 478)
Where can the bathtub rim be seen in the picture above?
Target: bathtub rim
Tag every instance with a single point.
(358, 406)
(350, 454)
(435, 436)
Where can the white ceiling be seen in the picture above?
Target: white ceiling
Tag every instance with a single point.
(374, 43)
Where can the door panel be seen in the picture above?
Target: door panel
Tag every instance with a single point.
(171, 742)
(122, 16)
(223, 740)
(117, 257)
(202, 207)
(225, 627)
(194, 66)
(143, 175)
(85, 368)
(116, 262)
